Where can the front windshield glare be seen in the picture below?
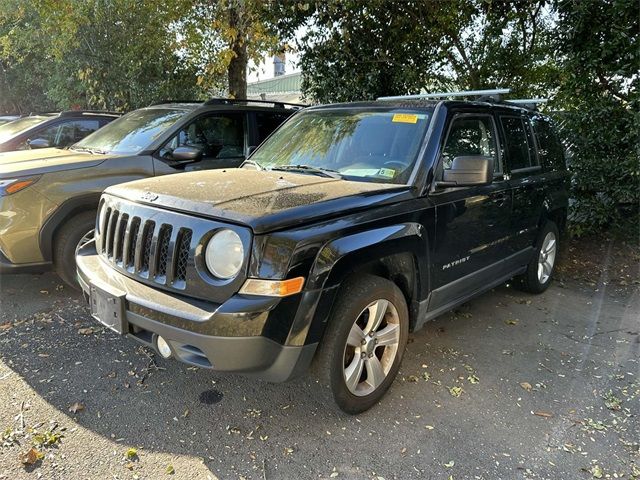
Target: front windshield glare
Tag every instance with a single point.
(131, 133)
(364, 145)
(11, 129)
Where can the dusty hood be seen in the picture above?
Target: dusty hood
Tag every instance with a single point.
(263, 200)
(34, 162)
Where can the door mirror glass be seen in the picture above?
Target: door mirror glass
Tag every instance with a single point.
(184, 155)
(467, 171)
(39, 143)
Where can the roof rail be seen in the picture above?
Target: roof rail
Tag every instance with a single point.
(231, 101)
(71, 113)
(160, 102)
(461, 93)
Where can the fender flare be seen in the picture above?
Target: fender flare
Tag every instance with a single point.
(66, 210)
(356, 248)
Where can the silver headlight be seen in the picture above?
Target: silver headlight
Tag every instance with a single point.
(224, 255)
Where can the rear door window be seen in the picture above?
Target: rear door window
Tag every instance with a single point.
(267, 122)
(550, 149)
(519, 147)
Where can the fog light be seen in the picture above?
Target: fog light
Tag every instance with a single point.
(163, 347)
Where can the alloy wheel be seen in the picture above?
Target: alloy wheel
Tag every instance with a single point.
(547, 257)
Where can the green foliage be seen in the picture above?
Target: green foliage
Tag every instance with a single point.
(599, 95)
(361, 49)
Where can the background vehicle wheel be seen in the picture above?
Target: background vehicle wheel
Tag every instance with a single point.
(364, 343)
(539, 272)
(65, 242)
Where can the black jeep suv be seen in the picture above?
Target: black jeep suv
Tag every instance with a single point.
(350, 226)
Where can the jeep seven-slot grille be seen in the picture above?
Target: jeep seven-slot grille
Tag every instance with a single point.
(157, 252)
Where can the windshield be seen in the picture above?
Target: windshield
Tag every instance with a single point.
(131, 133)
(12, 129)
(365, 145)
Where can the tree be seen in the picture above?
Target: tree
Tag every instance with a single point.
(358, 49)
(598, 41)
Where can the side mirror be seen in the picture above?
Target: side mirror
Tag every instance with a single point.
(468, 171)
(39, 143)
(184, 155)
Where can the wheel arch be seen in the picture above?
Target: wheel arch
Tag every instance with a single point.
(68, 209)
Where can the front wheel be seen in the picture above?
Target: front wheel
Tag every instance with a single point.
(540, 270)
(67, 239)
(364, 343)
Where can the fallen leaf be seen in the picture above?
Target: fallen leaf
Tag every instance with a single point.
(455, 391)
(429, 427)
(412, 379)
(543, 414)
(31, 456)
(450, 464)
(596, 471)
(76, 407)
(131, 453)
(334, 474)
(526, 385)
(5, 326)
(85, 331)
(473, 379)
(170, 470)
(511, 321)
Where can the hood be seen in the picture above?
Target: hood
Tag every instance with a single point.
(265, 201)
(45, 160)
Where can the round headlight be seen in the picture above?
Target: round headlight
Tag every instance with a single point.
(224, 254)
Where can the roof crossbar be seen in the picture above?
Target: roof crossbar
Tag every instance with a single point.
(528, 101)
(461, 93)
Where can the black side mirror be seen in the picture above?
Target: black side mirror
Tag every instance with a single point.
(184, 155)
(468, 171)
(39, 143)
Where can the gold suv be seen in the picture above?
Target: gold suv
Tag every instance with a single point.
(49, 197)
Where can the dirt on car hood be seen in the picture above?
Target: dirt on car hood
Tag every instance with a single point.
(263, 200)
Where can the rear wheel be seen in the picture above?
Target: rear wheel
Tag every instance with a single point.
(67, 238)
(540, 270)
(364, 343)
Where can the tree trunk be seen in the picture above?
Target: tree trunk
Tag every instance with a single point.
(238, 64)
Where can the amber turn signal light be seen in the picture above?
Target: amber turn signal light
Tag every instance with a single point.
(272, 288)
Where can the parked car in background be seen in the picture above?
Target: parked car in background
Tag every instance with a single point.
(51, 129)
(8, 118)
(48, 198)
(350, 226)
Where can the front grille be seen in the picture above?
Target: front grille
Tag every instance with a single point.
(145, 248)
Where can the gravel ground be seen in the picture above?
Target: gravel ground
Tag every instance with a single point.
(508, 386)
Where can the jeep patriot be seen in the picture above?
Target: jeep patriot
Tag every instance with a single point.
(352, 225)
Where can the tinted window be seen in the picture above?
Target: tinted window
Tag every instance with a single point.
(218, 136)
(267, 123)
(550, 150)
(517, 146)
(379, 146)
(71, 132)
(470, 136)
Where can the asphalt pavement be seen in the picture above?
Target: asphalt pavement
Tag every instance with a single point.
(508, 386)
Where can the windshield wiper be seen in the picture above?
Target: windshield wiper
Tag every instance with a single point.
(324, 172)
(253, 163)
(93, 151)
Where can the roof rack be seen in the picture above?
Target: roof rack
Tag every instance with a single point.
(160, 102)
(71, 113)
(461, 93)
(231, 101)
(529, 103)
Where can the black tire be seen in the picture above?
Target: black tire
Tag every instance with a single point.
(329, 364)
(65, 242)
(530, 281)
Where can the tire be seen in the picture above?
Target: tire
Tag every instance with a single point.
(358, 300)
(65, 242)
(539, 273)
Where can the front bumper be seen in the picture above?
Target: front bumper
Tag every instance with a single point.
(217, 336)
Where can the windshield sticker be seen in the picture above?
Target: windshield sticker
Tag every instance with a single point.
(387, 172)
(405, 118)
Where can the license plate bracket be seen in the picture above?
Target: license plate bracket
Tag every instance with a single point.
(108, 309)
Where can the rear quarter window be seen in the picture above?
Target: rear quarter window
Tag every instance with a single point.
(550, 149)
